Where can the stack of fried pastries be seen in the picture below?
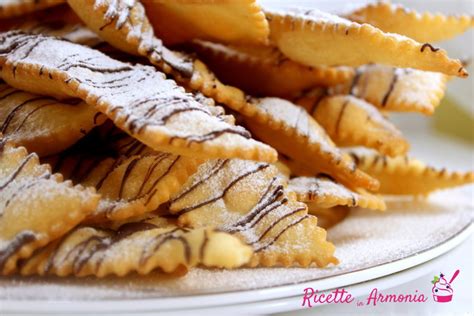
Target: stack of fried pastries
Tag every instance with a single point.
(164, 135)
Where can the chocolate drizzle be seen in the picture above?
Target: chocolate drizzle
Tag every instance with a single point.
(17, 108)
(427, 45)
(92, 250)
(218, 166)
(180, 62)
(17, 171)
(275, 239)
(265, 205)
(318, 101)
(25, 178)
(3, 141)
(98, 69)
(20, 240)
(29, 114)
(131, 228)
(126, 174)
(161, 239)
(14, 41)
(117, 15)
(100, 242)
(391, 87)
(215, 134)
(202, 250)
(355, 82)
(97, 157)
(87, 252)
(340, 115)
(224, 190)
(263, 225)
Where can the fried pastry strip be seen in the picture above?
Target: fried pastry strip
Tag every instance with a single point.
(124, 25)
(139, 99)
(276, 226)
(408, 176)
(223, 21)
(137, 247)
(395, 89)
(72, 32)
(422, 27)
(350, 121)
(316, 38)
(75, 32)
(42, 124)
(132, 178)
(264, 70)
(293, 132)
(36, 206)
(53, 18)
(323, 192)
(329, 217)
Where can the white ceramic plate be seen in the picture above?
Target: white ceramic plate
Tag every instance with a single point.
(281, 298)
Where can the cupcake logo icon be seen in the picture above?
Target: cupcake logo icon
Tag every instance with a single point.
(442, 289)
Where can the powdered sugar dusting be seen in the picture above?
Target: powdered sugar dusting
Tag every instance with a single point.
(341, 8)
(317, 15)
(363, 240)
(297, 118)
(319, 186)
